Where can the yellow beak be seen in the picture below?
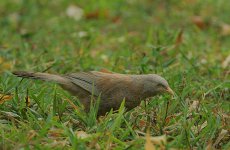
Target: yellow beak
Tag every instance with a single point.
(170, 91)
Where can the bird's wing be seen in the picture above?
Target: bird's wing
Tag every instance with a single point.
(85, 80)
(112, 84)
(116, 87)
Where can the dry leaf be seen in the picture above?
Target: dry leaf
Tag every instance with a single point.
(82, 34)
(194, 106)
(199, 22)
(92, 15)
(81, 134)
(4, 65)
(97, 14)
(209, 146)
(28, 101)
(55, 132)
(197, 129)
(58, 143)
(31, 134)
(225, 29)
(10, 114)
(179, 38)
(226, 62)
(159, 140)
(75, 12)
(149, 145)
(220, 137)
(4, 98)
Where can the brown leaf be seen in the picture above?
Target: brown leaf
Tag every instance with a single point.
(4, 98)
(209, 146)
(200, 22)
(92, 15)
(97, 14)
(55, 132)
(4, 64)
(116, 19)
(31, 134)
(179, 38)
(28, 101)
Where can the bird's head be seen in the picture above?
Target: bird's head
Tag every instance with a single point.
(157, 84)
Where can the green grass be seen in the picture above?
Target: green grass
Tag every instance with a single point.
(122, 36)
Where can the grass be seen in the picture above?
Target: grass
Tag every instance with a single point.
(184, 41)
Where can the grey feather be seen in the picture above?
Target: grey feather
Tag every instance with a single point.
(85, 80)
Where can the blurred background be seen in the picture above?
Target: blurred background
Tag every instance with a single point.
(120, 35)
(185, 41)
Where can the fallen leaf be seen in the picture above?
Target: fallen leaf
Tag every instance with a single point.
(92, 15)
(226, 62)
(159, 140)
(104, 13)
(225, 29)
(81, 134)
(4, 98)
(31, 134)
(4, 64)
(197, 129)
(82, 34)
(75, 12)
(220, 137)
(55, 133)
(116, 19)
(10, 114)
(149, 145)
(209, 146)
(27, 101)
(179, 38)
(200, 22)
(58, 143)
(194, 106)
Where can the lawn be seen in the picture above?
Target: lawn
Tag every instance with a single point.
(187, 42)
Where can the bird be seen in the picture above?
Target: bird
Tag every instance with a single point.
(112, 88)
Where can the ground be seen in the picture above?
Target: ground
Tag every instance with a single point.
(187, 42)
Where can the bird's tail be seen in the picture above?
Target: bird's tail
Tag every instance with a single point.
(42, 76)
